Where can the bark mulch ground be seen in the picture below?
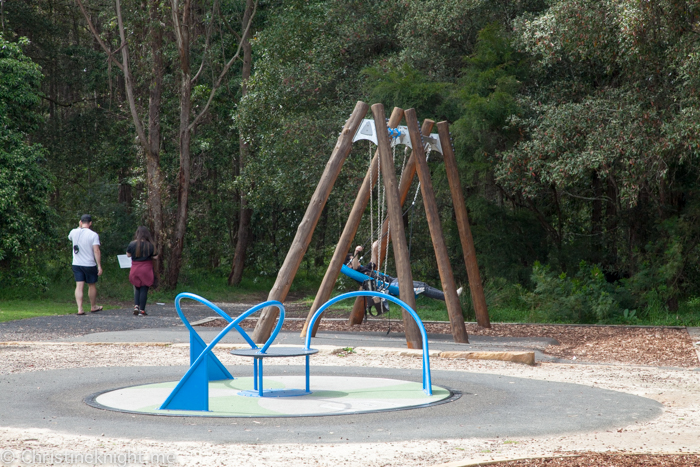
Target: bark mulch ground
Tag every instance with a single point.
(655, 346)
(607, 460)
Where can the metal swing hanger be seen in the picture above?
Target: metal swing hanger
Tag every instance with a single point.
(399, 135)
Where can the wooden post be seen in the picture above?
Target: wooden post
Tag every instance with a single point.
(465, 233)
(385, 235)
(346, 238)
(301, 241)
(409, 172)
(454, 309)
(357, 314)
(403, 265)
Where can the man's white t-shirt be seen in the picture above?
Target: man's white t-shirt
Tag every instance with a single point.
(85, 239)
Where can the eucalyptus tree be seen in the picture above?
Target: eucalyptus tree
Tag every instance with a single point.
(162, 40)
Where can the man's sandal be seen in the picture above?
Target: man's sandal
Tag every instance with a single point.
(99, 308)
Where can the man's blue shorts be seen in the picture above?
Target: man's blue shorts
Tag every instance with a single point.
(85, 274)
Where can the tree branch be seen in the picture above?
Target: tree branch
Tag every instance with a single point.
(585, 198)
(228, 26)
(225, 70)
(109, 53)
(128, 83)
(176, 22)
(70, 104)
(206, 42)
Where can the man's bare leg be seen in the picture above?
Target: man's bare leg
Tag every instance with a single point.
(79, 295)
(375, 261)
(375, 254)
(92, 293)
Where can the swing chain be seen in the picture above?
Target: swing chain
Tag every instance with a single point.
(371, 201)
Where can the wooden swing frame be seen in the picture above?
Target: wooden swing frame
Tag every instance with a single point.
(396, 196)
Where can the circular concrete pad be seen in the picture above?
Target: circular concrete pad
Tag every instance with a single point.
(231, 398)
(490, 406)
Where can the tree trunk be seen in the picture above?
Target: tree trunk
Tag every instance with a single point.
(153, 172)
(234, 278)
(238, 263)
(596, 219)
(184, 137)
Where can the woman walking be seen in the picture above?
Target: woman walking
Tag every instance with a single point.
(142, 251)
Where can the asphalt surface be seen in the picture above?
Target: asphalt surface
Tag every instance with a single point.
(56, 327)
(490, 406)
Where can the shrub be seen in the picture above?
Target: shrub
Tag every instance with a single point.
(584, 298)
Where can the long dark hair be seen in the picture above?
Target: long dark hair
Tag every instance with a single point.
(141, 236)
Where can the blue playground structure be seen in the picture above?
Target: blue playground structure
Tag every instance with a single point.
(386, 284)
(381, 281)
(192, 391)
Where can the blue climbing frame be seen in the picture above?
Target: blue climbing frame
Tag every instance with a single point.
(192, 392)
(427, 384)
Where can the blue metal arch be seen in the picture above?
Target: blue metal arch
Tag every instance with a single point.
(427, 383)
(192, 391)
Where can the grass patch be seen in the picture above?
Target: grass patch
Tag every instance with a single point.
(11, 310)
(114, 291)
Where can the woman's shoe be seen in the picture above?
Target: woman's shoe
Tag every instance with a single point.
(143, 313)
(136, 310)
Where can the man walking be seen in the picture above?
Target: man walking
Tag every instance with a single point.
(86, 262)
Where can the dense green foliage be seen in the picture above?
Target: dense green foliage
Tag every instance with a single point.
(25, 183)
(576, 127)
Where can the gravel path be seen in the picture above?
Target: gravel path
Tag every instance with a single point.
(676, 431)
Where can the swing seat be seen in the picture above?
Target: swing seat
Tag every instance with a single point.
(359, 277)
(393, 286)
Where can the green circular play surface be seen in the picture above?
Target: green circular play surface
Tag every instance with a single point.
(330, 395)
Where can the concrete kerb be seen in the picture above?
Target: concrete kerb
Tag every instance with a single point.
(527, 358)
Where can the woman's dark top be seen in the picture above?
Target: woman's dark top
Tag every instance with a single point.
(363, 269)
(146, 253)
